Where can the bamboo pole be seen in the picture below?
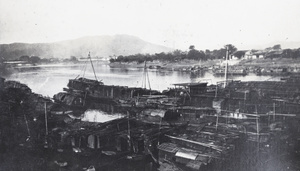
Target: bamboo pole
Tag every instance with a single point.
(216, 92)
(46, 120)
(274, 115)
(257, 126)
(217, 122)
(226, 67)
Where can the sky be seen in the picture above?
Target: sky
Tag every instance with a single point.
(206, 24)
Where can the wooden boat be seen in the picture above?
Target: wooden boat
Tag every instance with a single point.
(95, 90)
(136, 157)
(71, 101)
(221, 72)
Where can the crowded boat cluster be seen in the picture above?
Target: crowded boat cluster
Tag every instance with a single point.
(192, 126)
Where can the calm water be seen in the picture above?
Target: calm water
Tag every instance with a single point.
(51, 79)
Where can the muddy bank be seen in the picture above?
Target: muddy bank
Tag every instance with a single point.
(165, 65)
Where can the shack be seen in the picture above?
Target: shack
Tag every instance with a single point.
(191, 159)
(195, 94)
(192, 88)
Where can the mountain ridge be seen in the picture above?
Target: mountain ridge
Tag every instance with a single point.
(99, 46)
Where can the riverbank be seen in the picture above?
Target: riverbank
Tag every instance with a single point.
(270, 67)
(166, 65)
(278, 62)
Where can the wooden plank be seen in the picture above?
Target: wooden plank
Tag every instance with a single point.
(218, 148)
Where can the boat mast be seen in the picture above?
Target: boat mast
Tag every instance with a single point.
(145, 78)
(226, 66)
(46, 125)
(46, 118)
(92, 66)
(128, 130)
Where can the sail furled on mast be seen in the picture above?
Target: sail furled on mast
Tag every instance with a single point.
(145, 79)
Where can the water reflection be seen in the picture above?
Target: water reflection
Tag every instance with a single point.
(118, 70)
(51, 79)
(163, 73)
(194, 75)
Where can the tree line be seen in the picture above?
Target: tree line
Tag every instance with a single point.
(38, 60)
(194, 54)
(178, 55)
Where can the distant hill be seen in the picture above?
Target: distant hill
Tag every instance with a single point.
(99, 46)
(287, 44)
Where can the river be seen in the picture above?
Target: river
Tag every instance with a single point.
(51, 79)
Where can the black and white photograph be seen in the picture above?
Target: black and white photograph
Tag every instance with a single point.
(149, 85)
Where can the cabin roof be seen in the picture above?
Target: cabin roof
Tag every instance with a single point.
(86, 80)
(168, 147)
(155, 112)
(190, 84)
(186, 154)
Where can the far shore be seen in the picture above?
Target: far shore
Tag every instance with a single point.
(185, 64)
(166, 65)
(263, 63)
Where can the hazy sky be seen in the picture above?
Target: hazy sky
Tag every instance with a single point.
(206, 24)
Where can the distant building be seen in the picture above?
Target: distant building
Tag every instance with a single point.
(266, 53)
(260, 54)
(274, 53)
(251, 54)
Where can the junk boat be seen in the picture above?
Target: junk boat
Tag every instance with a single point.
(83, 93)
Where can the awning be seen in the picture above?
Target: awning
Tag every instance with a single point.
(190, 155)
(160, 113)
(155, 112)
(191, 84)
(168, 147)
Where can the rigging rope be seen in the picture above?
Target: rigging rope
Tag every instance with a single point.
(148, 79)
(93, 67)
(83, 68)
